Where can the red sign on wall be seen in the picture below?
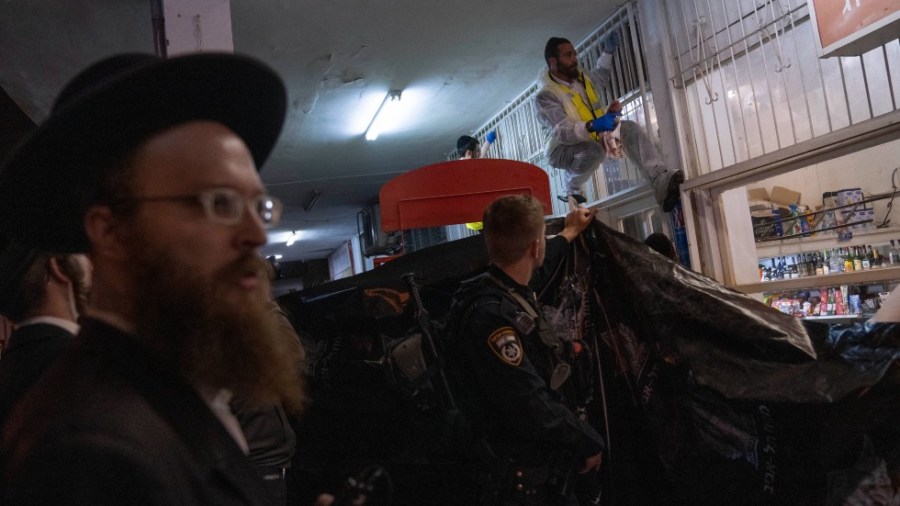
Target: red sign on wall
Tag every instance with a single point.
(852, 27)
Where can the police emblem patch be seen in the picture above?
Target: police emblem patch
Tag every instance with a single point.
(504, 342)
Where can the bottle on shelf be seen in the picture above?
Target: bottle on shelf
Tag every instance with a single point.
(837, 261)
(848, 260)
(826, 267)
(877, 259)
(857, 259)
(866, 258)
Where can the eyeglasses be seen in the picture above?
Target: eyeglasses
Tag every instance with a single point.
(226, 206)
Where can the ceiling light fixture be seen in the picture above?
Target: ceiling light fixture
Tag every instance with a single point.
(312, 201)
(384, 115)
(292, 239)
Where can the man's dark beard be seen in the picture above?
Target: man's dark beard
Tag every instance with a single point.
(215, 334)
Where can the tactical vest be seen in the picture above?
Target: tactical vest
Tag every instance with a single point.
(546, 351)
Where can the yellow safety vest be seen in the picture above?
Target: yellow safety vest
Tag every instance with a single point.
(584, 110)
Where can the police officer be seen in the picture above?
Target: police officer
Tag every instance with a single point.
(514, 363)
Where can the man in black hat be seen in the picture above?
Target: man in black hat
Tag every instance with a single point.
(151, 165)
(42, 294)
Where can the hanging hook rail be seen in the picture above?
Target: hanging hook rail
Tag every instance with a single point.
(703, 58)
(782, 61)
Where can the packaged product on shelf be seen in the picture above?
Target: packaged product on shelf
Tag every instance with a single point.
(811, 222)
(858, 218)
(840, 295)
(842, 216)
(869, 215)
(853, 304)
(828, 219)
(849, 196)
(798, 223)
(765, 223)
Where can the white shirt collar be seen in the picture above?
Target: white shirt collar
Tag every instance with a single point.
(68, 325)
(218, 402)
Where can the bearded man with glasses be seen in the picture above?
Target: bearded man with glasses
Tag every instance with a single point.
(151, 166)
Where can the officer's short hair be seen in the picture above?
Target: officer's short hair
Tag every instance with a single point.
(551, 50)
(511, 223)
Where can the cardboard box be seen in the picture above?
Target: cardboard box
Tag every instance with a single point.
(757, 194)
(784, 196)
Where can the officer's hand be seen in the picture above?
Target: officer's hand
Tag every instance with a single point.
(612, 42)
(605, 123)
(576, 221)
(491, 136)
(592, 463)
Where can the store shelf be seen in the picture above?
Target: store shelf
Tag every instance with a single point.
(838, 318)
(841, 278)
(809, 244)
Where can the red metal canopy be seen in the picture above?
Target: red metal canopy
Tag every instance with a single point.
(455, 192)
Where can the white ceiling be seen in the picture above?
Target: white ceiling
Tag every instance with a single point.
(459, 63)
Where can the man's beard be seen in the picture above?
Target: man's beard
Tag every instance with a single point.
(571, 72)
(215, 334)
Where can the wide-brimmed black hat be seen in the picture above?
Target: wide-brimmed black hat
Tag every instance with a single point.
(105, 112)
(15, 259)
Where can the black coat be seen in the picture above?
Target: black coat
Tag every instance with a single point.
(31, 350)
(113, 424)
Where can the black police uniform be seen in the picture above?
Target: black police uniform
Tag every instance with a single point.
(508, 359)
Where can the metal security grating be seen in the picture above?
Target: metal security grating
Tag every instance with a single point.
(754, 84)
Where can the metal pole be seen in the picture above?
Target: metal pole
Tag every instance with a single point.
(159, 28)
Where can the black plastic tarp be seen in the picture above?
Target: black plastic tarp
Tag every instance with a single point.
(705, 394)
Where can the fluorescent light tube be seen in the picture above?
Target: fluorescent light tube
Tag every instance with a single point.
(385, 116)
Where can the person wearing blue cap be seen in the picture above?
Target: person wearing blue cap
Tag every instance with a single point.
(467, 146)
(574, 123)
(467, 149)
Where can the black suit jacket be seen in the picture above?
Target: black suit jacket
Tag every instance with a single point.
(113, 424)
(31, 350)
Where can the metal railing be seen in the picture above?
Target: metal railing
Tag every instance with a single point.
(754, 83)
(520, 136)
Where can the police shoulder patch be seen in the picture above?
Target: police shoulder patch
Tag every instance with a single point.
(504, 342)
